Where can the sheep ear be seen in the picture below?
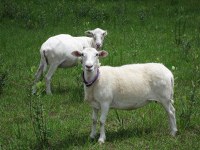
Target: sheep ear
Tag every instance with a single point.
(103, 53)
(105, 33)
(89, 33)
(77, 53)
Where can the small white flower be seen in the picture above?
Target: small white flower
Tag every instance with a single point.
(173, 68)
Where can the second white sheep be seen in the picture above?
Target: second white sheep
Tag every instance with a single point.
(56, 52)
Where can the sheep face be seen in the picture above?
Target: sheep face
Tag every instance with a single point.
(90, 58)
(98, 37)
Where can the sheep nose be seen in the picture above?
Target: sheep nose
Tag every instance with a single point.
(98, 45)
(89, 66)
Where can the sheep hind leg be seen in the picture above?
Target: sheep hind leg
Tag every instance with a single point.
(37, 77)
(173, 121)
(171, 116)
(94, 123)
(50, 73)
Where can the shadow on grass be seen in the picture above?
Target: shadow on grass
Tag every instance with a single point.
(72, 140)
(61, 90)
(67, 89)
(127, 133)
(83, 138)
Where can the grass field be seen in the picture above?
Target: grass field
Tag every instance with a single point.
(139, 31)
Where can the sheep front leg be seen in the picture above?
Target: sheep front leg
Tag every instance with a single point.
(104, 112)
(94, 123)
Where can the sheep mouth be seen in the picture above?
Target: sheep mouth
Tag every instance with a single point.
(89, 69)
(98, 46)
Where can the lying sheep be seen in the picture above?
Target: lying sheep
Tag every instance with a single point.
(126, 87)
(56, 52)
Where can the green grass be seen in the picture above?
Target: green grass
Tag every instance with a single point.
(138, 32)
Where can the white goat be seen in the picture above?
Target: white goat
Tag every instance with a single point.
(126, 87)
(56, 52)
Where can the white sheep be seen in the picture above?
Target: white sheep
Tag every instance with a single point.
(126, 87)
(56, 52)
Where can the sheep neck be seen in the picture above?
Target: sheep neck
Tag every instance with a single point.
(92, 43)
(90, 77)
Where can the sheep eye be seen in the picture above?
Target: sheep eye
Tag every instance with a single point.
(82, 54)
(97, 54)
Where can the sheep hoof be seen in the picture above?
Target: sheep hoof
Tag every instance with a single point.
(49, 93)
(92, 136)
(101, 141)
(173, 133)
(33, 92)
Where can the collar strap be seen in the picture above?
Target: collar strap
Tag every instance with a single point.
(91, 82)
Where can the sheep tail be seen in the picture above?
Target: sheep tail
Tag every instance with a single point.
(45, 61)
